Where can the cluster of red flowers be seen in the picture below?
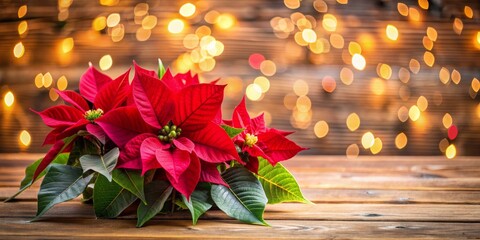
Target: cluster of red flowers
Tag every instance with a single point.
(173, 123)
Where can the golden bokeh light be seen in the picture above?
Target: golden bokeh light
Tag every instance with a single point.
(67, 45)
(108, 2)
(368, 139)
(377, 146)
(309, 35)
(329, 22)
(346, 76)
(457, 26)
(25, 138)
(225, 21)
(47, 80)
(422, 103)
(191, 41)
(414, 14)
(22, 27)
(263, 82)
(118, 32)
(456, 76)
(429, 58)
(268, 68)
(187, 9)
(402, 9)
(9, 99)
(141, 9)
(321, 129)
(404, 75)
(99, 23)
(414, 113)
(62, 83)
(475, 85)
(414, 65)
(143, 34)
(444, 75)
(384, 71)
(423, 4)
(358, 61)
(329, 84)
(289, 101)
(468, 12)
(427, 43)
(443, 144)
(105, 62)
(401, 140)
(292, 4)
(22, 11)
(353, 122)
(352, 151)
(253, 92)
(432, 33)
(447, 120)
(300, 88)
(378, 86)
(207, 64)
(320, 5)
(354, 48)
(402, 114)
(337, 41)
(39, 80)
(113, 19)
(176, 26)
(211, 16)
(304, 104)
(18, 50)
(149, 22)
(392, 32)
(53, 94)
(342, 1)
(451, 151)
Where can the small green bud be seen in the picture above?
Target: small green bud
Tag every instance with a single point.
(173, 128)
(166, 128)
(172, 134)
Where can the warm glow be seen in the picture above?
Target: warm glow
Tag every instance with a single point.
(149, 22)
(402, 9)
(342, 1)
(377, 146)
(368, 140)
(300, 87)
(414, 66)
(354, 47)
(352, 151)
(432, 33)
(309, 35)
(22, 11)
(22, 27)
(456, 76)
(427, 43)
(457, 26)
(353, 122)
(443, 144)
(39, 80)
(337, 40)
(423, 4)
(404, 75)
(109, 2)
(99, 23)
(143, 34)
(447, 120)
(422, 103)
(346, 76)
(62, 83)
(385, 71)
(429, 58)
(25, 138)
(329, 22)
(253, 92)
(378, 86)
(475, 85)
(358, 61)
(105, 62)
(67, 45)
(303, 104)
(187, 10)
(451, 151)
(468, 12)
(18, 50)
(268, 68)
(321, 129)
(263, 82)
(392, 32)
(401, 140)
(414, 113)
(329, 84)
(47, 80)
(176, 26)
(414, 14)
(292, 4)
(9, 99)
(225, 21)
(113, 20)
(444, 75)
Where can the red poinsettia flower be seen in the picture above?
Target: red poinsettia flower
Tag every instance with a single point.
(172, 130)
(259, 141)
(98, 94)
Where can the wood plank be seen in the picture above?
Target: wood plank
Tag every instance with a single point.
(287, 211)
(228, 229)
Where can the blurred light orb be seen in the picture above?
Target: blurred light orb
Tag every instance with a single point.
(22, 27)
(67, 45)
(329, 22)
(9, 99)
(468, 12)
(187, 9)
(378, 86)
(263, 82)
(62, 83)
(451, 151)
(253, 92)
(303, 104)
(392, 32)
(368, 139)
(321, 129)
(329, 84)
(447, 120)
(25, 138)
(99, 23)
(352, 151)
(456, 76)
(353, 122)
(18, 50)
(443, 144)
(176, 26)
(444, 75)
(105, 62)
(414, 65)
(401, 140)
(149, 22)
(358, 61)
(432, 33)
(113, 19)
(22, 11)
(429, 58)
(377, 146)
(255, 60)
(346, 76)
(225, 21)
(47, 80)
(309, 35)
(452, 132)
(268, 68)
(402, 9)
(414, 113)
(39, 80)
(422, 103)
(300, 88)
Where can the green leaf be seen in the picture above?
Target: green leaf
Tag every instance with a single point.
(110, 199)
(82, 146)
(244, 200)
(30, 170)
(131, 180)
(61, 183)
(199, 202)
(101, 164)
(278, 183)
(161, 69)
(231, 131)
(157, 193)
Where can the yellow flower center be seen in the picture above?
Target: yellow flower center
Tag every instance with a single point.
(91, 115)
(250, 139)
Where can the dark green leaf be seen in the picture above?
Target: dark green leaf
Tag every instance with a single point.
(161, 69)
(101, 164)
(156, 192)
(30, 170)
(110, 199)
(82, 146)
(231, 131)
(199, 202)
(61, 183)
(278, 183)
(131, 180)
(244, 200)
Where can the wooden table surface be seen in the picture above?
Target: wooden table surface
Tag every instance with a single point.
(385, 197)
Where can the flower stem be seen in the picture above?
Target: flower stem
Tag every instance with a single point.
(173, 200)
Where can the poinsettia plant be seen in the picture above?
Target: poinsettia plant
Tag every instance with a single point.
(159, 142)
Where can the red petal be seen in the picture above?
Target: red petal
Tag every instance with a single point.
(277, 147)
(96, 131)
(113, 94)
(211, 174)
(153, 99)
(240, 118)
(123, 124)
(51, 137)
(212, 144)
(257, 124)
(80, 125)
(139, 71)
(60, 116)
(91, 82)
(130, 155)
(255, 151)
(147, 152)
(175, 162)
(197, 105)
(184, 144)
(252, 164)
(189, 179)
(281, 132)
(49, 157)
(172, 82)
(74, 98)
